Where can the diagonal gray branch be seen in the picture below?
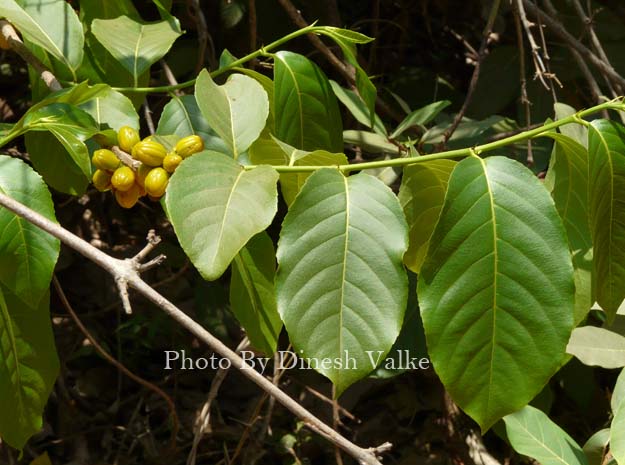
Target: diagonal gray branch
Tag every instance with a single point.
(127, 271)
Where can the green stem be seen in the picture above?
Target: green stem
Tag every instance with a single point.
(258, 53)
(616, 104)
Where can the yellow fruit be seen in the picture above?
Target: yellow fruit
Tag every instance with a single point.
(149, 152)
(156, 182)
(171, 162)
(123, 179)
(189, 145)
(141, 173)
(101, 180)
(129, 198)
(127, 138)
(104, 159)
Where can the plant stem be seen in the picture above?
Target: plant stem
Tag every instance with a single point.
(258, 53)
(616, 104)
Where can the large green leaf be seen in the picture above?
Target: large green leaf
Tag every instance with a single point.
(341, 284)
(27, 253)
(307, 113)
(532, 433)
(252, 293)
(271, 151)
(421, 195)
(237, 110)
(606, 201)
(216, 206)
(92, 9)
(50, 24)
(618, 395)
(597, 347)
(577, 132)
(567, 180)
(110, 109)
(28, 366)
(496, 289)
(134, 44)
(182, 117)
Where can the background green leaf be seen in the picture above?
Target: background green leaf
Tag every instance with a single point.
(307, 113)
(182, 116)
(252, 293)
(597, 347)
(567, 180)
(215, 207)
(420, 117)
(421, 195)
(358, 108)
(50, 24)
(341, 290)
(595, 447)
(606, 201)
(532, 433)
(496, 289)
(136, 45)
(237, 110)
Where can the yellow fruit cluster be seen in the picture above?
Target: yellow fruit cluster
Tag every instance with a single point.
(152, 175)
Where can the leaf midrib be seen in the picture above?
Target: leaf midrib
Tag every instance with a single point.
(299, 102)
(223, 221)
(343, 272)
(4, 312)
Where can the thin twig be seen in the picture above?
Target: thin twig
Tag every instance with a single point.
(539, 65)
(120, 367)
(336, 420)
(524, 98)
(147, 113)
(10, 34)
(494, 9)
(559, 30)
(124, 269)
(202, 32)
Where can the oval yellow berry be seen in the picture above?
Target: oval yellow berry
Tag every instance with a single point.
(123, 178)
(101, 180)
(149, 152)
(141, 174)
(171, 162)
(104, 159)
(189, 145)
(127, 138)
(129, 198)
(156, 182)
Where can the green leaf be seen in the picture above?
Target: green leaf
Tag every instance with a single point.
(618, 395)
(307, 113)
(421, 195)
(496, 289)
(55, 164)
(358, 108)
(595, 447)
(252, 293)
(606, 201)
(272, 151)
(420, 117)
(532, 433)
(182, 116)
(597, 347)
(71, 126)
(370, 142)
(216, 206)
(28, 366)
(347, 39)
(92, 9)
(27, 253)
(50, 24)
(134, 44)
(341, 284)
(617, 435)
(110, 109)
(567, 180)
(267, 84)
(577, 132)
(237, 110)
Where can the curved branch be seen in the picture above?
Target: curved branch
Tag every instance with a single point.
(127, 270)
